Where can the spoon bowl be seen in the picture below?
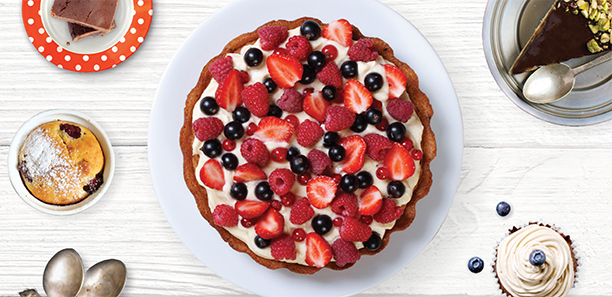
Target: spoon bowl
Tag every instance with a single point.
(63, 276)
(105, 279)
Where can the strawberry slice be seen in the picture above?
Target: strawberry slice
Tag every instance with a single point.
(399, 162)
(370, 201)
(356, 96)
(228, 92)
(315, 106)
(355, 147)
(285, 70)
(321, 190)
(250, 209)
(339, 31)
(318, 250)
(249, 172)
(396, 80)
(274, 129)
(270, 224)
(211, 174)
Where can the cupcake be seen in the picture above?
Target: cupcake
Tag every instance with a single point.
(535, 260)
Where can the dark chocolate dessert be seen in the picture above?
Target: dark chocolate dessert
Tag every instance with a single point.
(98, 14)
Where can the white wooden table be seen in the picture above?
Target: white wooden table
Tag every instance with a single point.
(548, 173)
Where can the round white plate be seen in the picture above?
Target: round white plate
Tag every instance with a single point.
(166, 160)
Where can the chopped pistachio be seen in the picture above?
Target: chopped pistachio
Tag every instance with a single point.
(605, 38)
(593, 47)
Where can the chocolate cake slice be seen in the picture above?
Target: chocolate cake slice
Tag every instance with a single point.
(571, 29)
(97, 14)
(78, 32)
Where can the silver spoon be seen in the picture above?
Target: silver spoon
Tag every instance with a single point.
(63, 276)
(553, 82)
(105, 279)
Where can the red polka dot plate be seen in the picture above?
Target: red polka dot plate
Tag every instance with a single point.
(51, 38)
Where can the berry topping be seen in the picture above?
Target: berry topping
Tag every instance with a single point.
(304, 178)
(255, 98)
(250, 209)
(220, 68)
(269, 84)
(284, 70)
(378, 146)
(396, 132)
(330, 139)
(365, 179)
(255, 151)
(537, 258)
(275, 111)
(344, 252)
(349, 183)
(330, 51)
(212, 148)
(330, 74)
(345, 205)
(396, 80)
(308, 75)
(503, 208)
(293, 120)
(292, 152)
(400, 110)
(355, 148)
(249, 172)
(417, 154)
(373, 116)
(321, 190)
(233, 130)
(315, 106)
(298, 234)
(251, 128)
(279, 154)
(310, 29)
(211, 175)
(209, 106)
(247, 223)
(276, 205)
(229, 161)
(244, 77)
(272, 36)
(407, 143)
(291, 101)
(337, 153)
(366, 219)
(322, 224)
(229, 90)
(253, 57)
(399, 162)
(283, 247)
(239, 191)
(356, 97)
(318, 250)
(354, 230)
(301, 212)
(262, 243)
(320, 163)
(373, 243)
(281, 181)
(339, 31)
(370, 201)
(274, 129)
(309, 133)
(228, 145)
(360, 124)
(299, 164)
(224, 215)
(475, 265)
(363, 50)
(206, 128)
(382, 173)
(338, 118)
(241, 114)
(373, 81)
(338, 221)
(299, 47)
(396, 189)
(349, 69)
(316, 60)
(288, 199)
(91, 187)
(329, 92)
(382, 126)
(263, 191)
(389, 212)
(270, 224)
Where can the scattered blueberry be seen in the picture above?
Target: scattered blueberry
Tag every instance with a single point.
(373, 243)
(212, 148)
(349, 69)
(253, 57)
(316, 60)
(349, 183)
(275, 111)
(209, 106)
(365, 179)
(537, 258)
(503, 208)
(229, 161)
(329, 93)
(311, 30)
(292, 152)
(308, 76)
(337, 153)
(330, 139)
(263, 191)
(241, 114)
(239, 191)
(360, 124)
(475, 265)
(269, 84)
(299, 164)
(396, 132)
(262, 243)
(396, 189)
(233, 130)
(322, 224)
(373, 81)
(373, 116)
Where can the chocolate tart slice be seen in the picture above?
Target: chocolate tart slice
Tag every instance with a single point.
(571, 29)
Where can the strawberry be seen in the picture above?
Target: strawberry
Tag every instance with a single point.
(211, 175)
(400, 110)
(320, 162)
(285, 70)
(301, 212)
(255, 98)
(255, 151)
(249, 172)
(354, 230)
(207, 128)
(270, 224)
(363, 50)
(338, 118)
(396, 80)
(250, 209)
(281, 181)
(229, 90)
(339, 31)
(389, 212)
(344, 252)
(225, 216)
(283, 247)
(330, 74)
(399, 162)
(378, 146)
(318, 250)
(370, 201)
(274, 129)
(321, 190)
(356, 96)
(272, 36)
(220, 68)
(355, 148)
(315, 106)
(309, 133)
(345, 204)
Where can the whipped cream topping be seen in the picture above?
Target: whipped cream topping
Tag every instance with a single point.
(520, 278)
(414, 130)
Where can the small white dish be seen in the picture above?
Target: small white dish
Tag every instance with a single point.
(70, 116)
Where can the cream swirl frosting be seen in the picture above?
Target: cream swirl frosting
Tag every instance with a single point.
(520, 278)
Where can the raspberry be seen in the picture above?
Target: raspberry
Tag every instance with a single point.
(220, 68)
(272, 36)
(330, 75)
(301, 212)
(254, 151)
(378, 146)
(299, 47)
(283, 247)
(338, 118)
(320, 162)
(345, 252)
(400, 110)
(345, 204)
(291, 101)
(255, 98)
(207, 128)
(281, 181)
(244, 77)
(389, 212)
(225, 215)
(363, 50)
(309, 133)
(354, 230)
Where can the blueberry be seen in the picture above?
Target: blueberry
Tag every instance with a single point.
(241, 114)
(396, 189)
(311, 30)
(212, 148)
(300, 164)
(316, 60)
(329, 93)
(275, 111)
(475, 265)
(373, 243)
(253, 57)
(360, 124)
(349, 69)
(239, 191)
(349, 183)
(322, 224)
(503, 208)
(396, 132)
(233, 130)
(373, 81)
(537, 258)
(263, 191)
(365, 179)
(337, 153)
(269, 84)
(330, 139)
(308, 76)
(229, 161)
(262, 243)
(373, 116)
(292, 152)
(209, 106)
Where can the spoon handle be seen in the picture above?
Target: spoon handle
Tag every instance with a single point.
(593, 63)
